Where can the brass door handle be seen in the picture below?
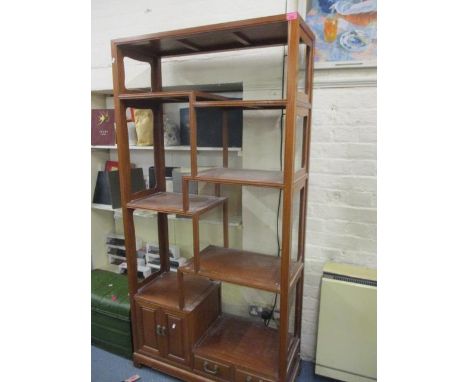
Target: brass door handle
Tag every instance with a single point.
(213, 371)
(160, 330)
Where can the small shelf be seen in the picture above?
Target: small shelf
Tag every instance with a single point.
(234, 221)
(260, 178)
(171, 203)
(169, 148)
(148, 99)
(244, 104)
(241, 341)
(164, 291)
(240, 267)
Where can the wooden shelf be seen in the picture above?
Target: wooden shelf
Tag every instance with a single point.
(170, 148)
(146, 99)
(244, 104)
(171, 203)
(240, 341)
(262, 31)
(239, 267)
(260, 178)
(164, 291)
(234, 221)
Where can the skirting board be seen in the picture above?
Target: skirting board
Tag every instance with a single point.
(341, 375)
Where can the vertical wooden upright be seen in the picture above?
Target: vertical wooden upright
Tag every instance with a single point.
(288, 193)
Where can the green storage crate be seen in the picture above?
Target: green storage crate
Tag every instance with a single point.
(110, 313)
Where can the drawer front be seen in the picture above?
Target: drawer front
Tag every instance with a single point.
(213, 369)
(245, 376)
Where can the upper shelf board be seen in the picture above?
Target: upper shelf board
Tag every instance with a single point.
(170, 148)
(244, 104)
(252, 33)
(148, 99)
(248, 177)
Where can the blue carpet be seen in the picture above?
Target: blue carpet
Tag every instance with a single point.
(108, 367)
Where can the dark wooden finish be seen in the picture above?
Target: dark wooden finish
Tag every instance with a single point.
(260, 178)
(176, 322)
(288, 191)
(172, 203)
(193, 138)
(246, 268)
(164, 291)
(241, 343)
(259, 32)
(167, 332)
(244, 104)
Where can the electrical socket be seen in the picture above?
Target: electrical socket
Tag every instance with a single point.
(256, 311)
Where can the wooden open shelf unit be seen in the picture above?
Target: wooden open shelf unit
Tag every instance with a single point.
(177, 323)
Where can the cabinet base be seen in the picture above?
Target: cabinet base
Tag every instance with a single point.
(188, 375)
(174, 371)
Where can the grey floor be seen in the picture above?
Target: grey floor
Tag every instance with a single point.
(108, 367)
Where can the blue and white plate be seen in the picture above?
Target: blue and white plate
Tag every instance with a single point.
(354, 41)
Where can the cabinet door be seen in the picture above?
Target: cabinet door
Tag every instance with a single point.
(149, 341)
(175, 334)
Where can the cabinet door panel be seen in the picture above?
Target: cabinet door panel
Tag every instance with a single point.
(149, 341)
(175, 334)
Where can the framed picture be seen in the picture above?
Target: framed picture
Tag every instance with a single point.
(345, 30)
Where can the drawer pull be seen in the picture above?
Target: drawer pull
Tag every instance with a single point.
(158, 330)
(248, 379)
(213, 371)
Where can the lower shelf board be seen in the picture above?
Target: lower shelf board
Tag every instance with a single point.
(242, 342)
(241, 267)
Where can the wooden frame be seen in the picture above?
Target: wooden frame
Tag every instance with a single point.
(204, 360)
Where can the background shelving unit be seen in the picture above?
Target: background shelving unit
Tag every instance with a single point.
(177, 323)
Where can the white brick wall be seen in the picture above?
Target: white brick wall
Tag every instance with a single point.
(342, 218)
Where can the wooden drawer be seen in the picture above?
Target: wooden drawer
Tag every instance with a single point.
(245, 376)
(213, 369)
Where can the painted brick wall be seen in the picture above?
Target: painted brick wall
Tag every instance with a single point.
(341, 224)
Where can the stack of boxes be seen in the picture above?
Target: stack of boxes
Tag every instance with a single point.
(148, 260)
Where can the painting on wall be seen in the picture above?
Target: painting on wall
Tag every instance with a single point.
(345, 30)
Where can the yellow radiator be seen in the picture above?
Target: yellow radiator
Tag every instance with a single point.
(347, 326)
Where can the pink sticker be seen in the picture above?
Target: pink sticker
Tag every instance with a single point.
(291, 16)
